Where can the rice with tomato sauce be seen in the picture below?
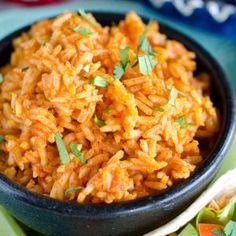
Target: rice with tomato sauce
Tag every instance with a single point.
(73, 130)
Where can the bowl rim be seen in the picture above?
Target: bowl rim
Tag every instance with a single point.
(105, 211)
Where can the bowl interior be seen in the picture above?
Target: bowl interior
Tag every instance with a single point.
(222, 97)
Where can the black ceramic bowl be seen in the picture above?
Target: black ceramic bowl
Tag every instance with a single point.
(53, 217)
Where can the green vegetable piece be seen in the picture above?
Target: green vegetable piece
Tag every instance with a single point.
(182, 121)
(71, 189)
(63, 154)
(143, 43)
(77, 153)
(2, 138)
(98, 122)
(173, 95)
(227, 212)
(99, 81)
(9, 226)
(146, 64)
(160, 109)
(230, 228)
(124, 63)
(82, 30)
(1, 78)
(24, 69)
(88, 18)
(86, 68)
(205, 215)
(106, 110)
(218, 232)
(188, 230)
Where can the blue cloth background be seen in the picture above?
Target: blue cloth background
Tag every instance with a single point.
(202, 15)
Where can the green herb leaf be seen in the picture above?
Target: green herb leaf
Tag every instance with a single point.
(106, 110)
(24, 69)
(88, 18)
(100, 123)
(81, 30)
(71, 189)
(1, 78)
(118, 71)
(124, 57)
(99, 81)
(86, 68)
(113, 24)
(188, 230)
(143, 43)
(124, 63)
(146, 64)
(63, 154)
(158, 109)
(77, 153)
(173, 95)
(182, 120)
(2, 138)
(219, 232)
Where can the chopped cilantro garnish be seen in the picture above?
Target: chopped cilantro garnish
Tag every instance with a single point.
(71, 189)
(63, 154)
(146, 64)
(99, 81)
(173, 95)
(113, 24)
(124, 63)
(1, 78)
(81, 30)
(100, 123)
(86, 68)
(158, 109)
(24, 69)
(143, 43)
(2, 138)
(88, 18)
(106, 110)
(182, 120)
(77, 153)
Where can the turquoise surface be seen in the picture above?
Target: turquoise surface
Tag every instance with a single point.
(224, 50)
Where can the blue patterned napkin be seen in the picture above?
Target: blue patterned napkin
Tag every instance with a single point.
(218, 16)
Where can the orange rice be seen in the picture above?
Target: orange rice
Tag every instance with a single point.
(139, 151)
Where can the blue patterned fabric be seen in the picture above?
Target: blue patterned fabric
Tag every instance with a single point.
(217, 16)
